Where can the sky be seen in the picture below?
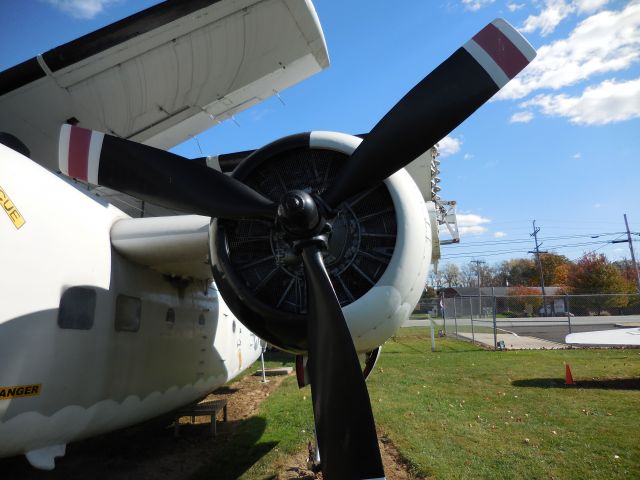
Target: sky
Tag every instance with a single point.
(560, 144)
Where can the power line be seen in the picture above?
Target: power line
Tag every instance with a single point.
(526, 240)
(522, 250)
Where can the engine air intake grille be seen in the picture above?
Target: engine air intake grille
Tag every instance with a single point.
(360, 246)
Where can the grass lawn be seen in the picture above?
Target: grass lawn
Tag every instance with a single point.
(464, 412)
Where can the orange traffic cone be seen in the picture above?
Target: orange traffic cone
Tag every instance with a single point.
(568, 378)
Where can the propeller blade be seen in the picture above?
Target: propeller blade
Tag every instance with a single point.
(434, 107)
(345, 428)
(156, 176)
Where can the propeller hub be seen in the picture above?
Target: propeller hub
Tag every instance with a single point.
(298, 214)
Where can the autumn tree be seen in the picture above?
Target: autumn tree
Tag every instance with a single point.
(524, 301)
(555, 269)
(594, 274)
(518, 271)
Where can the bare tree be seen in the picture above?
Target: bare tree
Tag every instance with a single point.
(451, 275)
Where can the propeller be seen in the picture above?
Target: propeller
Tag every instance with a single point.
(440, 102)
(156, 176)
(434, 107)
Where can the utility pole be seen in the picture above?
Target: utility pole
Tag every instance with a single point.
(633, 257)
(478, 263)
(537, 253)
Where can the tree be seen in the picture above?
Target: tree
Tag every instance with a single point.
(524, 301)
(451, 275)
(435, 278)
(594, 274)
(468, 277)
(518, 271)
(555, 269)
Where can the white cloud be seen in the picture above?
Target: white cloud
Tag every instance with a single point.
(449, 145)
(499, 234)
(608, 102)
(475, 5)
(589, 6)
(468, 156)
(84, 9)
(553, 13)
(521, 117)
(577, 155)
(597, 205)
(515, 6)
(608, 41)
(470, 223)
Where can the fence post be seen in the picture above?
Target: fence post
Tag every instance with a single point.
(444, 317)
(566, 309)
(473, 335)
(433, 337)
(455, 316)
(495, 329)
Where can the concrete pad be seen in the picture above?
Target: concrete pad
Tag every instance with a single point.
(515, 342)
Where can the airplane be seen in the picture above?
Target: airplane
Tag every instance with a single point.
(116, 309)
(614, 337)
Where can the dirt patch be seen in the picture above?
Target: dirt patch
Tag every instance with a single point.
(395, 466)
(150, 450)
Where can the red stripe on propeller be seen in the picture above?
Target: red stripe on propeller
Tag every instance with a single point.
(79, 142)
(508, 57)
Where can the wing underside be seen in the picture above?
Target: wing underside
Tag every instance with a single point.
(164, 74)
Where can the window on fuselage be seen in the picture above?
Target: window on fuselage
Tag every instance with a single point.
(128, 313)
(77, 308)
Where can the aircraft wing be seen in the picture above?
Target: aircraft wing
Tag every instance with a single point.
(175, 246)
(164, 74)
(620, 336)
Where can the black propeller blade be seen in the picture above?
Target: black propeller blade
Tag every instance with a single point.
(434, 107)
(157, 176)
(345, 427)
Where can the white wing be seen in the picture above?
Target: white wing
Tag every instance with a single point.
(164, 74)
(621, 336)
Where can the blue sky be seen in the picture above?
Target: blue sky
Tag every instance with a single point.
(561, 144)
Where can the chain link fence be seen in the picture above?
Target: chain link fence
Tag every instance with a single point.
(470, 314)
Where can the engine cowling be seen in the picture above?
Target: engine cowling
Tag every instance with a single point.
(378, 256)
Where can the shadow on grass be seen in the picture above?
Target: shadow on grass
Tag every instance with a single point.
(236, 455)
(598, 383)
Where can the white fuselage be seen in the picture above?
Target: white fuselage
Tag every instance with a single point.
(183, 342)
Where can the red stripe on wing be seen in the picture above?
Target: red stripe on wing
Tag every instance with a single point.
(79, 141)
(501, 50)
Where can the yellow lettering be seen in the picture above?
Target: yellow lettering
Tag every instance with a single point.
(9, 207)
(16, 218)
(20, 391)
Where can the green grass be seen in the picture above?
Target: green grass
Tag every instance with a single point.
(465, 412)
